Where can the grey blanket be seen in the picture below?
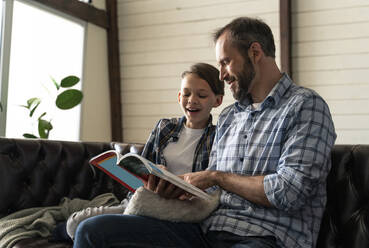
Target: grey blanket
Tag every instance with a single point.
(41, 221)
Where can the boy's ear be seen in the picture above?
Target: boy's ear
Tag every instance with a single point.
(218, 100)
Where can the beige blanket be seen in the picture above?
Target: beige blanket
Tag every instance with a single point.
(40, 221)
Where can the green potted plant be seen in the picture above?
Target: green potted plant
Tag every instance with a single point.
(67, 98)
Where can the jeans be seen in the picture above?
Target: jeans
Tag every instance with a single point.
(226, 239)
(107, 231)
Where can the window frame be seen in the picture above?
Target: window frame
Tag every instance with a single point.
(105, 19)
(6, 28)
(6, 60)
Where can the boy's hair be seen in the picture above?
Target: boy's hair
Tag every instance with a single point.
(208, 73)
(243, 31)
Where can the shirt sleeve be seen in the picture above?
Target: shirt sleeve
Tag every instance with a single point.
(213, 162)
(149, 148)
(305, 157)
(213, 153)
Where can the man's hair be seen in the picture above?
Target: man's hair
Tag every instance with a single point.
(208, 73)
(243, 31)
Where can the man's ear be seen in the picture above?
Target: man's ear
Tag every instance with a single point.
(255, 52)
(218, 100)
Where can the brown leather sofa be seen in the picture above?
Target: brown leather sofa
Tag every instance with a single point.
(37, 173)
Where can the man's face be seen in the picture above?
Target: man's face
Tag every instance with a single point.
(235, 70)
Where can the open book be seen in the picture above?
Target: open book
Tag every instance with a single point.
(132, 170)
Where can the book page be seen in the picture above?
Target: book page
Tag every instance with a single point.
(179, 182)
(134, 165)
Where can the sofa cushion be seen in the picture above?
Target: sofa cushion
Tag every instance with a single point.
(346, 218)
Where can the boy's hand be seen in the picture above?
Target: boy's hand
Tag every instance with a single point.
(162, 187)
(153, 181)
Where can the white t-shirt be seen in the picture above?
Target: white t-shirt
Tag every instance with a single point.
(255, 105)
(179, 155)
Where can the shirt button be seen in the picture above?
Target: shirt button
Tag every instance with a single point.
(241, 159)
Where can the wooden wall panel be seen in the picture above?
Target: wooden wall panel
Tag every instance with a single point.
(159, 39)
(331, 55)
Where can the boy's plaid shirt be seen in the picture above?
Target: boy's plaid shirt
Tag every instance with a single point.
(168, 130)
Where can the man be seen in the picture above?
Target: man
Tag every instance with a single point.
(270, 157)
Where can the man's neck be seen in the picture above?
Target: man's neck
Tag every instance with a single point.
(265, 80)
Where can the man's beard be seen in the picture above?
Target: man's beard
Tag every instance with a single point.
(244, 80)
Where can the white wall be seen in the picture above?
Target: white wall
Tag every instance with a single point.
(161, 38)
(95, 116)
(95, 121)
(331, 56)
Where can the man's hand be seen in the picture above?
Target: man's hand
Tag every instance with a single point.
(200, 179)
(248, 187)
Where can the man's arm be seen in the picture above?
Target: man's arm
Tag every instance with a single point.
(248, 187)
(302, 168)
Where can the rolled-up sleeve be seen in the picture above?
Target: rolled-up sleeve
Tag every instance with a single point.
(305, 157)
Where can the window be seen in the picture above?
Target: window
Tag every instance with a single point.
(1, 18)
(44, 44)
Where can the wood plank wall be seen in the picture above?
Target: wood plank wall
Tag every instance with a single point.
(331, 55)
(161, 38)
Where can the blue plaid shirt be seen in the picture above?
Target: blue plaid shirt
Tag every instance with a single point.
(168, 130)
(288, 138)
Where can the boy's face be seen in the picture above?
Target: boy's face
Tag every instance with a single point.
(196, 100)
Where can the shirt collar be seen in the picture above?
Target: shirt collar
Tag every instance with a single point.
(242, 105)
(279, 89)
(182, 121)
